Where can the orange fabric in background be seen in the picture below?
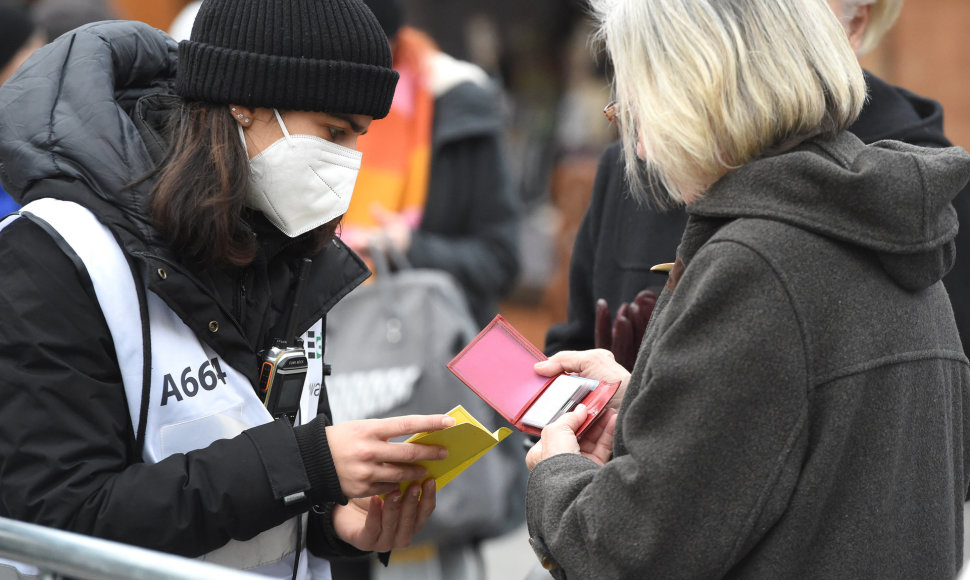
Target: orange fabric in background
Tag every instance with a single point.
(397, 149)
(158, 13)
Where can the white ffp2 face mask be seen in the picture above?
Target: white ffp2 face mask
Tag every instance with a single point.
(301, 182)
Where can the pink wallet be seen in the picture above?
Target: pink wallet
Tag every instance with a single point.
(498, 366)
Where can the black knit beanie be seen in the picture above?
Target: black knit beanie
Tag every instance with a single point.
(389, 13)
(15, 29)
(304, 55)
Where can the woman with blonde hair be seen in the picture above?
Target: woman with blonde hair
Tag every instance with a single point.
(797, 404)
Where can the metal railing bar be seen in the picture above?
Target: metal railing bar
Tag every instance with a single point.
(89, 558)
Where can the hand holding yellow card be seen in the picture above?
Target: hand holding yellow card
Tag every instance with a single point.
(466, 441)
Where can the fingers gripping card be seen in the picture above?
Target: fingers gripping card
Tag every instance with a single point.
(466, 441)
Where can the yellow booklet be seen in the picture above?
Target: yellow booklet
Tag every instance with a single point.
(467, 441)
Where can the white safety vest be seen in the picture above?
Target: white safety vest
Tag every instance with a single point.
(195, 397)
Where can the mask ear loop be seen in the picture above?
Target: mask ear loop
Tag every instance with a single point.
(286, 134)
(279, 120)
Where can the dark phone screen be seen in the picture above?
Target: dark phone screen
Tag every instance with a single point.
(291, 387)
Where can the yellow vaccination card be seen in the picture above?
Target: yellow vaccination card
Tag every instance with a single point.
(466, 441)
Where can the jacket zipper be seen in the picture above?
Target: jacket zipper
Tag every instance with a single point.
(239, 307)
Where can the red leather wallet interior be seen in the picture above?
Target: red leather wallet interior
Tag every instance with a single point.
(498, 366)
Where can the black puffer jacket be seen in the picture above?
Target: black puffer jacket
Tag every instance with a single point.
(79, 122)
(620, 240)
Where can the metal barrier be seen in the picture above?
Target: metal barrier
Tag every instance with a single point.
(58, 553)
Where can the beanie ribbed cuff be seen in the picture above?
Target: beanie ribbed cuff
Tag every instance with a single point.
(320, 469)
(219, 75)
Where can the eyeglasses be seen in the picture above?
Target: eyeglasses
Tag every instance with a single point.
(612, 113)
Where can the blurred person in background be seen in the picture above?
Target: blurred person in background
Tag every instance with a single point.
(434, 180)
(180, 202)
(19, 38)
(800, 404)
(59, 16)
(434, 187)
(621, 237)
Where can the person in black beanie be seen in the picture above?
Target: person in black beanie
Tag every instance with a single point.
(166, 284)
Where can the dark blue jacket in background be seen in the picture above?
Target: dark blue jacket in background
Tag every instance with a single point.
(7, 204)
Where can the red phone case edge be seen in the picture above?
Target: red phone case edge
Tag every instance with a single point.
(595, 402)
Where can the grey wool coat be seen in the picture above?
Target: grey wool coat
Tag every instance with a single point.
(799, 405)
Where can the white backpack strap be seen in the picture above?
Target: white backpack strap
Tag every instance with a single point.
(4, 222)
(114, 285)
(65, 222)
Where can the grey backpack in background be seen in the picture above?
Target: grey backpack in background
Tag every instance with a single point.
(389, 342)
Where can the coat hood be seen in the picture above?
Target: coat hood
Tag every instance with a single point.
(66, 115)
(890, 198)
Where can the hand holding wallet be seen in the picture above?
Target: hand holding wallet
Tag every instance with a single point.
(498, 365)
